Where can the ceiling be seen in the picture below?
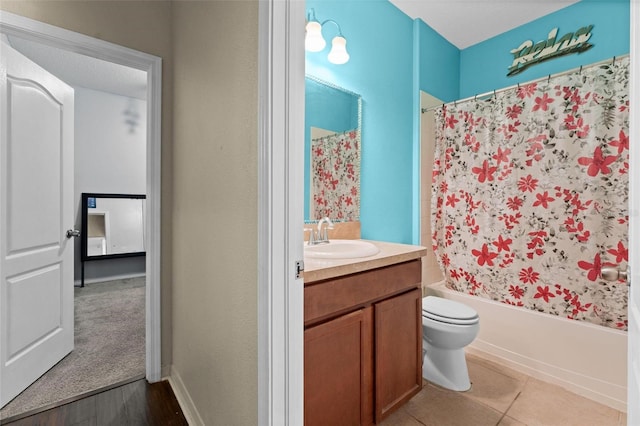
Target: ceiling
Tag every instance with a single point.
(79, 70)
(467, 22)
(462, 22)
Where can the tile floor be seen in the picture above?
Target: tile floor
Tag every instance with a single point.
(504, 397)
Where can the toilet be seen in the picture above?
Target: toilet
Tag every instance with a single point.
(447, 327)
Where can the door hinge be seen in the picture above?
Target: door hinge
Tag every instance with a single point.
(299, 268)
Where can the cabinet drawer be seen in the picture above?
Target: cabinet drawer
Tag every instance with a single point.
(329, 298)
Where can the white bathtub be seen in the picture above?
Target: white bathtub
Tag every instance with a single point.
(586, 359)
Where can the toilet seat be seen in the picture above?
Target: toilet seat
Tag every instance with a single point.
(448, 311)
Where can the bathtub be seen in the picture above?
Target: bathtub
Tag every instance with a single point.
(586, 359)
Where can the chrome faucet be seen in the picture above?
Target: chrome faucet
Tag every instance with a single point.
(323, 234)
(313, 237)
(320, 234)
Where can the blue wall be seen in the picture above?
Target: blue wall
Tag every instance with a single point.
(383, 43)
(439, 63)
(379, 41)
(484, 66)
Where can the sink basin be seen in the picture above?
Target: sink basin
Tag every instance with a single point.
(341, 249)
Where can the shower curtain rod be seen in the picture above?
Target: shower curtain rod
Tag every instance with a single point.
(487, 95)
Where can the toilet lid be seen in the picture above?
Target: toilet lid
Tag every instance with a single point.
(440, 309)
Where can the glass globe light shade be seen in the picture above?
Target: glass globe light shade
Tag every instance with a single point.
(313, 40)
(338, 54)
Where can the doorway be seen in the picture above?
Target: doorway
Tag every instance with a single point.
(14, 26)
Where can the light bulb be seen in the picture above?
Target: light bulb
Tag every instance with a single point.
(338, 54)
(313, 41)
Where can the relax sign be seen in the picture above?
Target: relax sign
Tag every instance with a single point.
(530, 54)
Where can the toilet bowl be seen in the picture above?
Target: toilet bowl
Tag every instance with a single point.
(447, 327)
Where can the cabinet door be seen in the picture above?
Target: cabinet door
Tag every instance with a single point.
(398, 351)
(338, 371)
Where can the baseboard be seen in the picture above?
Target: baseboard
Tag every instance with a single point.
(611, 394)
(77, 283)
(184, 399)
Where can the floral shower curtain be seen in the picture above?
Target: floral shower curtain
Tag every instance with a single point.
(530, 193)
(335, 171)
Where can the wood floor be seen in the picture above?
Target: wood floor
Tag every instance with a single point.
(134, 404)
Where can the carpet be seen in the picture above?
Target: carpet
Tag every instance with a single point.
(109, 346)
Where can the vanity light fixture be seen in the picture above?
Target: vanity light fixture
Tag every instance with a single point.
(314, 42)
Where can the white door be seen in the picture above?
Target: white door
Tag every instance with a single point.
(36, 209)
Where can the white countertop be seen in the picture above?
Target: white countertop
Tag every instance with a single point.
(390, 254)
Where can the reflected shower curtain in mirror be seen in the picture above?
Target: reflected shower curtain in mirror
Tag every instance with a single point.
(335, 171)
(530, 193)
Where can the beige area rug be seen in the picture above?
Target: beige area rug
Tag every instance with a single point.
(109, 346)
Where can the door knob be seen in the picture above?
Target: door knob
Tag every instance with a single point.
(73, 233)
(613, 274)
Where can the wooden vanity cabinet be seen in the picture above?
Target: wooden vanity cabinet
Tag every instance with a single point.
(398, 351)
(362, 345)
(338, 371)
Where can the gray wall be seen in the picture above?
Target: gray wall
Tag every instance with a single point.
(215, 221)
(110, 157)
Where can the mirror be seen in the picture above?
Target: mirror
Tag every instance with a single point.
(112, 226)
(332, 152)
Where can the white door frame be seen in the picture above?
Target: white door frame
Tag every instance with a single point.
(49, 35)
(280, 215)
(633, 362)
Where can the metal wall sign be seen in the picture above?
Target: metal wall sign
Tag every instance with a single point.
(530, 53)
